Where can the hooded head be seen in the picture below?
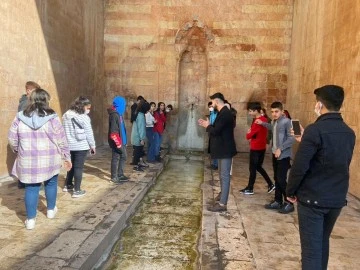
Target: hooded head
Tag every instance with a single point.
(119, 104)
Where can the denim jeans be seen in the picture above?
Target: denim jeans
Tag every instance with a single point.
(255, 164)
(214, 162)
(151, 144)
(157, 141)
(32, 196)
(76, 172)
(118, 160)
(315, 227)
(281, 167)
(224, 169)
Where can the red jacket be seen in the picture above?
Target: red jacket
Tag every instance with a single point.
(257, 135)
(159, 126)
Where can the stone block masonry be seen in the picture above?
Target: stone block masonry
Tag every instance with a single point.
(325, 50)
(247, 56)
(59, 45)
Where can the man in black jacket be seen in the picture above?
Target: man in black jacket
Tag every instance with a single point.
(222, 146)
(319, 177)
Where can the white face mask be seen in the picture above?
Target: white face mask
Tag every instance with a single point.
(87, 111)
(167, 110)
(317, 109)
(211, 109)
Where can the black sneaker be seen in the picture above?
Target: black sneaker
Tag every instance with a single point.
(115, 181)
(286, 208)
(247, 191)
(123, 178)
(78, 194)
(274, 205)
(271, 188)
(143, 164)
(68, 188)
(138, 169)
(217, 207)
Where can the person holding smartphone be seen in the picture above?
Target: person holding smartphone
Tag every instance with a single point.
(319, 177)
(296, 129)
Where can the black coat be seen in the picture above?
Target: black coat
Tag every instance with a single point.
(222, 142)
(114, 126)
(319, 175)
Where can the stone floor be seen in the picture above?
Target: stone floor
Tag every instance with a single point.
(246, 237)
(251, 237)
(164, 231)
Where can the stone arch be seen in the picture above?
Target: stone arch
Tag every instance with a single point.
(191, 43)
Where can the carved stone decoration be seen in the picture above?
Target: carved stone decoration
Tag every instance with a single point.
(193, 35)
(191, 42)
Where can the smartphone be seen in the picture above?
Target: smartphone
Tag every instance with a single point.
(296, 127)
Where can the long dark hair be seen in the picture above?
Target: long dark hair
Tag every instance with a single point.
(39, 102)
(158, 107)
(79, 103)
(143, 107)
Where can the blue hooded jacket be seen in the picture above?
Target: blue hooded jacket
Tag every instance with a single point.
(119, 104)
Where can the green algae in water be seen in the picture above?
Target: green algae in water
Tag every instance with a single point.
(164, 231)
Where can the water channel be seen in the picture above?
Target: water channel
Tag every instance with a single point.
(164, 231)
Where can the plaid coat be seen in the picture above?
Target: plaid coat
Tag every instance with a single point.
(40, 151)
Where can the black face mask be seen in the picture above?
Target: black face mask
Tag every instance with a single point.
(215, 107)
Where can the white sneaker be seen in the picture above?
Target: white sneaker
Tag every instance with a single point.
(51, 213)
(30, 223)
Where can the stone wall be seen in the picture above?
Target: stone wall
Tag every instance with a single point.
(246, 43)
(58, 44)
(325, 50)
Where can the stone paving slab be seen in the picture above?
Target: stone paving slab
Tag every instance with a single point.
(248, 236)
(136, 263)
(83, 229)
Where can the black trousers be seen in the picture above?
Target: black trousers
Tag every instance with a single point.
(255, 164)
(281, 168)
(118, 159)
(78, 160)
(138, 153)
(315, 227)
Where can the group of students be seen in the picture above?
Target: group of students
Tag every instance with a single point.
(281, 149)
(318, 180)
(42, 143)
(148, 124)
(319, 177)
